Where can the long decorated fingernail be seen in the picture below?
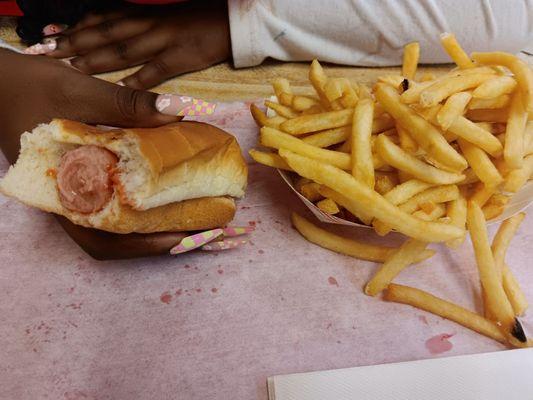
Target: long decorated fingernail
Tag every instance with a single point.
(48, 46)
(231, 231)
(194, 241)
(225, 244)
(53, 29)
(171, 104)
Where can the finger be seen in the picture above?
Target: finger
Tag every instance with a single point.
(134, 51)
(92, 19)
(111, 246)
(110, 31)
(168, 64)
(54, 29)
(109, 104)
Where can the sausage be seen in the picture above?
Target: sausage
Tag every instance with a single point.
(84, 178)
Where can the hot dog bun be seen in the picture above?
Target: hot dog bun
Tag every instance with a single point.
(179, 177)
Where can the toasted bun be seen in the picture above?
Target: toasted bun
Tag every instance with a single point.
(32, 179)
(158, 166)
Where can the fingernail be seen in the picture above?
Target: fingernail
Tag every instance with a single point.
(46, 47)
(171, 104)
(120, 83)
(53, 29)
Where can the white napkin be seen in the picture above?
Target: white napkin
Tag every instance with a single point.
(491, 376)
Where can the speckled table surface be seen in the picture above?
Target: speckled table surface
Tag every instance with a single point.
(215, 326)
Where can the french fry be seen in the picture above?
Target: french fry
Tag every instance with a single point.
(513, 151)
(362, 164)
(328, 206)
(382, 123)
(347, 203)
(518, 177)
(393, 155)
(445, 309)
(436, 213)
(393, 80)
(342, 245)
(496, 300)
(299, 182)
(302, 103)
(522, 72)
(406, 190)
(269, 159)
(480, 163)
(317, 122)
(494, 87)
(445, 87)
(502, 240)
(426, 135)
(427, 76)
(456, 211)
(428, 207)
(495, 205)
(332, 89)
(488, 104)
(385, 182)
(412, 95)
(514, 293)
(470, 177)
(455, 51)
(407, 143)
(438, 194)
(472, 133)
(496, 115)
(454, 107)
(311, 191)
(318, 79)
(316, 109)
(262, 120)
(411, 54)
(280, 109)
(482, 193)
(282, 86)
(395, 264)
(370, 200)
(329, 137)
(280, 140)
(364, 92)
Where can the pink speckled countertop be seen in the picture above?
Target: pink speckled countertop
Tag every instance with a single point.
(214, 326)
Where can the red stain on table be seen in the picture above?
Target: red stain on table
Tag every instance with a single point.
(166, 297)
(220, 271)
(214, 290)
(178, 292)
(439, 344)
(198, 290)
(423, 319)
(333, 281)
(261, 251)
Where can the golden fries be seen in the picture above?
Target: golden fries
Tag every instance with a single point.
(279, 140)
(494, 87)
(426, 135)
(425, 301)
(455, 51)
(513, 152)
(522, 72)
(317, 122)
(393, 155)
(480, 163)
(270, 159)
(328, 206)
(445, 87)
(362, 164)
(372, 201)
(471, 132)
(344, 245)
(496, 300)
(428, 158)
(411, 54)
(454, 107)
(398, 261)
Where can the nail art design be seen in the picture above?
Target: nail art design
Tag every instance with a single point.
(53, 29)
(223, 245)
(46, 47)
(171, 104)
(194, 241)
(120, 83)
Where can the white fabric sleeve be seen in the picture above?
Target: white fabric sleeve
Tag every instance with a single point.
(373, 32)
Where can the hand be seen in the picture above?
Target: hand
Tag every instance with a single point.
(37, 89)
(170, 40)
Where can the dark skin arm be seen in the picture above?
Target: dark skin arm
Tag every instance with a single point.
(169, 40)
(37, 89)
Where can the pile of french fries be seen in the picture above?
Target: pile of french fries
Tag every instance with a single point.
(430, 157)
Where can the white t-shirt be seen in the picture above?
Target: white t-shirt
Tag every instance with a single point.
(373, 32)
